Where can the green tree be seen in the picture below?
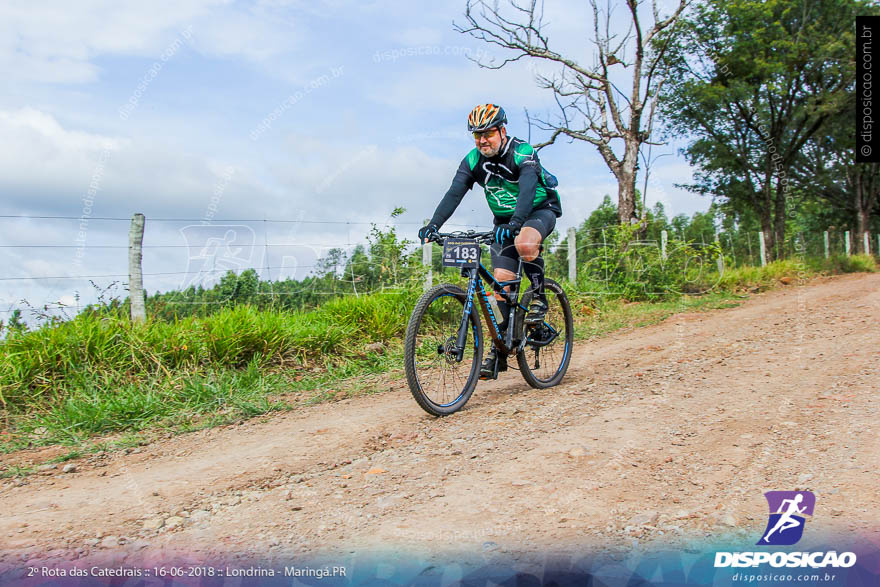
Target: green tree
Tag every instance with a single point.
(656, 222)
(238, 289)
(753, 81)
(589, 237)
(848, 192)
(14, 324)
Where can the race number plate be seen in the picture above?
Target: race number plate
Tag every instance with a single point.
(461, 252)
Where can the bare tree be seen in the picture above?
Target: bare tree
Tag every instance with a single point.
(591, 106)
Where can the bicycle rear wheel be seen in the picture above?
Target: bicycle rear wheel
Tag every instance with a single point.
(439, 383)
(544, 359)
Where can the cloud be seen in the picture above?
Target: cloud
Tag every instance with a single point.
(46, 168)
(425, 86)
(665, 173)
(258, 33)
(38, 155)
(420, 35)
(346, 181)
(57, 43)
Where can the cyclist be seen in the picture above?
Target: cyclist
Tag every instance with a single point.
(522, 198)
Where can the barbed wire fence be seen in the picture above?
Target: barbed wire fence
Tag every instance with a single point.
(210, 256)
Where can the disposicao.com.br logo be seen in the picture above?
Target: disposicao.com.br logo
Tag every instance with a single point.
(788, 514)
(789, 511)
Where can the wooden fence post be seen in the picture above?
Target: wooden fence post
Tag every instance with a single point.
(763, 248)
(572, 255)
(663, 238)
(605, 251)
(426, 261)
(827, 247)
(846, 242)
(135, 271)
(732, 248)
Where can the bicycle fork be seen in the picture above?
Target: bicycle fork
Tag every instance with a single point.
(465, 317)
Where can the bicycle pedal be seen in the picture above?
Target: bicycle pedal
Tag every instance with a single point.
(500, 365)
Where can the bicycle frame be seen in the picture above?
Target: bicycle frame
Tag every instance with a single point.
(476, 276)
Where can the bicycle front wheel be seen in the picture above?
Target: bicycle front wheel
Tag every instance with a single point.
(439, 382)
(544, 359)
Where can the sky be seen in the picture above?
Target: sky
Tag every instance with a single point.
(268, 130)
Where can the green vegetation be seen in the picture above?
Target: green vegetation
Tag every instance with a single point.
(763, 95)
(98, 381)
(71, 381)
(380, 265)
(94, 375)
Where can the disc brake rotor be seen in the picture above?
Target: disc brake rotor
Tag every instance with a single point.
(448, 350)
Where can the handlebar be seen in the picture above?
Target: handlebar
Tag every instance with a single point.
(482, 237)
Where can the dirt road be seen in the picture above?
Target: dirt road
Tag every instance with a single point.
(665, 433)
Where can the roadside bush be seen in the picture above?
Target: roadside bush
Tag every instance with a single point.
(636, 270)
(850, 264)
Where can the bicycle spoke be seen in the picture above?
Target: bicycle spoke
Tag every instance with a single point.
(436, 377)
(544, 358)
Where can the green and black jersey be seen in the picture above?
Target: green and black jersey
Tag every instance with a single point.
(514, 182)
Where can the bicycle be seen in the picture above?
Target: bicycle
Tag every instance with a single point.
(444, 336)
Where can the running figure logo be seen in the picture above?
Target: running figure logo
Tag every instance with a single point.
(215, 249)
(788, 513)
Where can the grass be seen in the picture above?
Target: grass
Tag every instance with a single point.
(849, 264)
(100, 384)
(96, 355)
(761, 278)
(17, 471)
(91, 376)
(189, 403)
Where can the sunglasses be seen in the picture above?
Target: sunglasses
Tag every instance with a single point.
(487, 133)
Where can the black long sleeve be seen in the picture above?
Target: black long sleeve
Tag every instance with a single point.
(461, 184)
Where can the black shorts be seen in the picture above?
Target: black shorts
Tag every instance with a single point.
(544, 221)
